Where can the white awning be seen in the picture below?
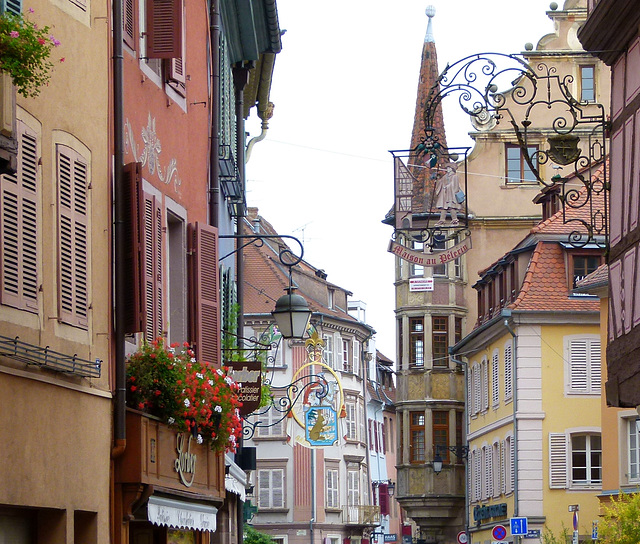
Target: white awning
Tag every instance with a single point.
(236, 479)
(181, 514)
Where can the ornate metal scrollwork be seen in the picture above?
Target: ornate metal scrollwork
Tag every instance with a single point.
(550, 126)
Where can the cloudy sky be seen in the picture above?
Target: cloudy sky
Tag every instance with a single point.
(344, 90)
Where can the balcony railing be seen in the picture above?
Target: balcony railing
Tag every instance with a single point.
(362, 515)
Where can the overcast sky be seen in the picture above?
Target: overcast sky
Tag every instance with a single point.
(344, 90)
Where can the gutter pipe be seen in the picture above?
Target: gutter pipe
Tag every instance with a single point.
(465, 367)
(214, 151)
(120, 242)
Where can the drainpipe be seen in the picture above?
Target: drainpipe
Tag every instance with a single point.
(120, 242)
(464, 442)
(240, 79)
(265, 116)
(506, 313)
(214, 151)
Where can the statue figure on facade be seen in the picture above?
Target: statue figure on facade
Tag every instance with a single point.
(448, 195)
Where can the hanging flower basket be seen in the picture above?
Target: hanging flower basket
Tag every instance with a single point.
(24, 52)
(189, 395)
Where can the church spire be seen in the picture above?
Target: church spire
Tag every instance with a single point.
(428, 78)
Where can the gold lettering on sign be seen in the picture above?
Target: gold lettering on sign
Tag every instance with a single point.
(186, 462)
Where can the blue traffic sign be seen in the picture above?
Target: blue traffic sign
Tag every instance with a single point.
(518, 526)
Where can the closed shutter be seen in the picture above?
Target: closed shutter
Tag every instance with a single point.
(164, 29)
(495, 383)
(578, 366)
(11, 6)
(489, 471)
(558, 460)
(271, 488)
(204, 292)
(152, 290)
(129, 23)
(508, 372)
(383, 491)
(133, 227)
(595, 364)
(503, 468)
(73, 237)
(19, 229)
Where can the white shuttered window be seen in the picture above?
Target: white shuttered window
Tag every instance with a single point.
(584, 372)
(271, 488)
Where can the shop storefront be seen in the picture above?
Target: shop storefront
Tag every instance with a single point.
(168, 487)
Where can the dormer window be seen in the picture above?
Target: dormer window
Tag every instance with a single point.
(582, 264)
(330, 302)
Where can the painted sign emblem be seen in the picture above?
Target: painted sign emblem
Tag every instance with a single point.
(249, 375)
(321, 426)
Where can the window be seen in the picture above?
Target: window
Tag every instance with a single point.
(271, 490)
(457, 263)
(495, 380)
(487, 472)
(508, 372)
(416, 340)
(587, 83)
(332, 488)
(633, 473)
(586, 459)
(517, 168)
(271, 424)
(328, 350)
(575, 460)
(508, 465)
(331, 296)
(440, 340)
(441, 269)
(177, 278)
(351, 423)
(476, 476)
(582, 265)
(457, 332)
(417, 269)
(346, 356)
(584, 373)
(356, 357)
(417, 434)
(19, 226)
(73, 244)
(440, 434)
(353, 488)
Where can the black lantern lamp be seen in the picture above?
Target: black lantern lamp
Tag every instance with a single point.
(437, 464)
(292, 314)
(391, 489)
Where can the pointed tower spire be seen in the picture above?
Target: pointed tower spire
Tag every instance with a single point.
(428, 78)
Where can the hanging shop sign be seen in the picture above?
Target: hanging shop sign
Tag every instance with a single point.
(430, 259)
(249, 375)
(181, 514)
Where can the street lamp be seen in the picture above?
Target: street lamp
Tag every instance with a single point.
(461, 452)
(292, 314)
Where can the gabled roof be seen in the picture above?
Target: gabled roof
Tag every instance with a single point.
(545, 287)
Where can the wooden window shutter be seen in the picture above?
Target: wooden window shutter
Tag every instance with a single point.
(11, 6)
(152, 294)
(19, 228)
(177, 75)
(558, 459)
(164, 29)
(383, 491)
(129, 23)
(133, 229)
(73, 248)
(205, 301)
(578, 366)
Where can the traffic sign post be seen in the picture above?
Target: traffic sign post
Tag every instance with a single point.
(519, 526)
(462, 537)
(499, 532)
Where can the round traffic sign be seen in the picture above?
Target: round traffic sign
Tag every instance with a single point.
(462, 537)
(499, 532)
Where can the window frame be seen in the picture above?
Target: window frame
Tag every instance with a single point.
(270, 488)
(574, 255)
(582, 79)
(417, 450)
(351, 420)
(416, 343)
(439, 356)
(332, 492)
(591, 363)
(440, 434)
(523, 167)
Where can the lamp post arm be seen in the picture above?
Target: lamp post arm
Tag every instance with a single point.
(286, 255)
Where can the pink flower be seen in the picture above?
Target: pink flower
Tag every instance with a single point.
(14, 34)
(42, 41)
(55, 42)
(62, 60)
(31, 10)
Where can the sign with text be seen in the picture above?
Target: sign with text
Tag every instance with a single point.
(249, 375)
(420, 284)
(430, 259)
